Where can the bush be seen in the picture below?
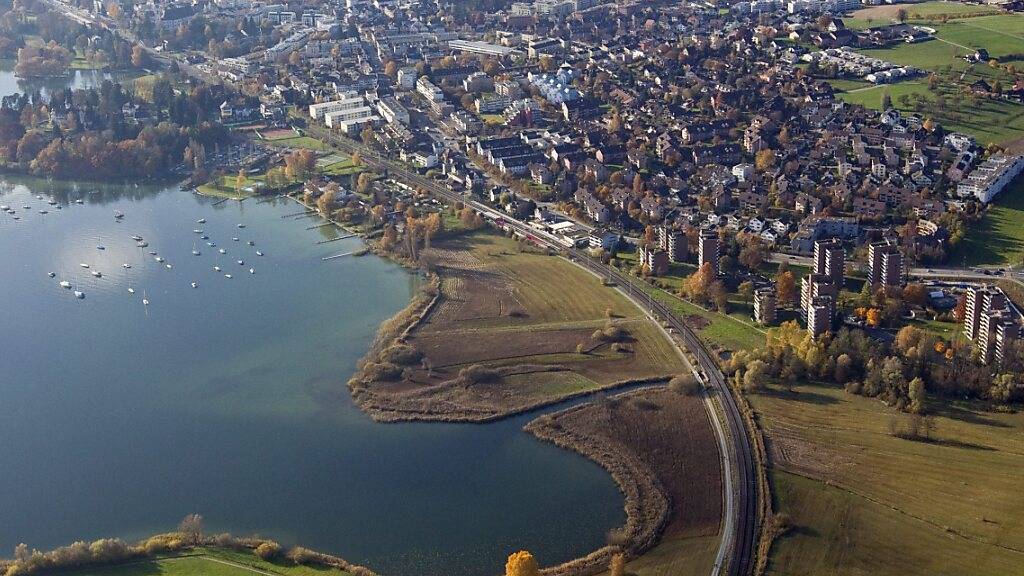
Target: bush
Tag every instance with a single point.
(301, 555)
(685, 384)
(268, 550)
(382, 371)
(477, 374)
(401, 354)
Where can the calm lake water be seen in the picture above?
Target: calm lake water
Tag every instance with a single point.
(230, 399)
(77, 79)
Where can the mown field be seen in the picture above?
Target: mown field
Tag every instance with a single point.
(999, 238)
(865, 502)
(208, 562)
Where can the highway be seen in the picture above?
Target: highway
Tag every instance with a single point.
(745, 510)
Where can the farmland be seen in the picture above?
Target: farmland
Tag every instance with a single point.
(990, 120)
(512, 329)
(659, 434)
(864, 501)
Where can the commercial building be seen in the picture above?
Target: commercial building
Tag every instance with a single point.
(707, 249)
(765, 303)
(885, 264)
(484, 48)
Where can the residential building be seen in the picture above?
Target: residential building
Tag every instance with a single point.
(885, 264)
(980, 301)
(991, 177)
(653, 260)
(819, 315)
(765, 303)
(707, 249)
(673, 242)
(813, 286)
(829, 259)
(392, 111)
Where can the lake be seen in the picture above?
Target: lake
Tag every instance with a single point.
(229, 399)
(77, 79)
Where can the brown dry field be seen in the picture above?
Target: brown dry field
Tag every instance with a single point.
(669, 436)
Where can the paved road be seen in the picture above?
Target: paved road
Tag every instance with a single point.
(745, 514)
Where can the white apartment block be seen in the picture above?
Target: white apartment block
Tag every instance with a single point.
(991, 177)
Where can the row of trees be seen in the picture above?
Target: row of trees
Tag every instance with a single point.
(902, 373)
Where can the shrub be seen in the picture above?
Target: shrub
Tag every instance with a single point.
(268, 550)
(401, 354)
(301, 555)
(477, 374)
(382, 371)
(685, 384)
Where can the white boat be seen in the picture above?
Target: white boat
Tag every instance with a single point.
(137, 238)
(204, 237)
(195, 252)
(258, 253)
(53, 202)
(241, 262)
(5, 207)
(241, 225)
(223, 251)
(251, 243)
(168, 266)
(59, 207)
(211, 244)
(43, 212)
(195, 285)
(101, 247)
(16, 217)
(201, 221)
(159, 259)
(65, 284)
(39, 197)
(145, 301)
(52, 274)
(126, 265)
(97, 273)
(131, 290)
(235, 239)
(143, 244)
(118, 215)
(84, 265)
(252, 271)
(198, 231)
(79, 295)
(26, 207)
(228, 276)
(216, 268)
(79, 201)
(152, 252)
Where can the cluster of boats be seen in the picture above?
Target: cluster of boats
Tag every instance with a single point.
(14, 213)
(141, 243)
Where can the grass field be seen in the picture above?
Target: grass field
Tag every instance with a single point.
(865, 502)
(208, 562)
(880, 15)
(298, 142)
(529, 320)
(988, 120)
(999, 238)
(226, 187)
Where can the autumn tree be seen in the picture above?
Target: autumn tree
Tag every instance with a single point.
(325, 202)
(785, 287)
(138, 56)
(521, 563)
(764, 160)
(191, 528)
(755, 375)
(364, 182)
(698, 285)
(618, 565)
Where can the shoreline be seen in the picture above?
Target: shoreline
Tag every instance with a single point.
(645, 502)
